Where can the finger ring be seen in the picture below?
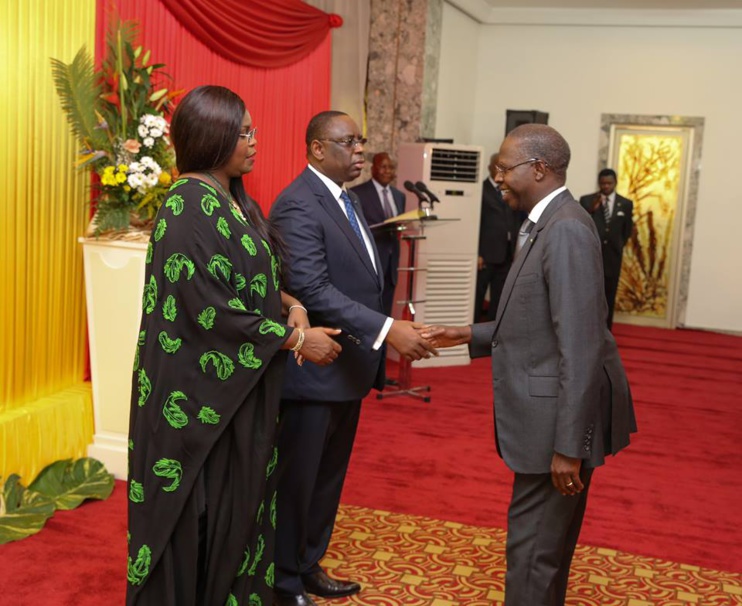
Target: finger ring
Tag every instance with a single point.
(571, 483)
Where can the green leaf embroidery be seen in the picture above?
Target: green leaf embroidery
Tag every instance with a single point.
(222, 264)
(142, 337)
(160, 229)
(249, 245)
(255, 598)
(136, 359)
(232, 601)
(273, 510)
(169, 345)
(175, 264)
(207, 186)
(223, 227)
(236, 303)
(131, 444)
(175, 203)
(259, 284)
(223, 365)
(148, 258)
(149, 298)
(270, 326)
(276, 272)
(145, 387)
(206, 318)
(178, 183)
(169, 310)
(245, 562)
(173, 413)
(272, 463)
(136, 572)
(208, 416)
(267, 247)
(136, 492)
(209, 203)
(269, 578)
(170, 469)
(239, 281)
(246, 357)
(259, 517)
(258, 556)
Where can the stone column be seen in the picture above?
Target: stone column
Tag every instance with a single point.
(404, 45)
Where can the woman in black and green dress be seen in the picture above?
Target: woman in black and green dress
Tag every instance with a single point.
(207, 375)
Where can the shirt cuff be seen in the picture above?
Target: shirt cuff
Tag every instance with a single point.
(382, 335)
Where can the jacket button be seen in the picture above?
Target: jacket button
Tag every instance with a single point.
(494, 343)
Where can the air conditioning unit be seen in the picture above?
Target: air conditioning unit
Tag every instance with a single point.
(445, 272)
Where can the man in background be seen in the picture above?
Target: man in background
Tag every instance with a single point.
(613, 218)
(562, 401)
(381, 201)
(498, 228)
(333, 268)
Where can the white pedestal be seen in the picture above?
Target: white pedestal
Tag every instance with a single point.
(114, 280)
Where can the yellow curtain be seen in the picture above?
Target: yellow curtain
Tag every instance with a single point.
(43, 206)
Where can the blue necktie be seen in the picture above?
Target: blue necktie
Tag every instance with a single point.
(352, 216)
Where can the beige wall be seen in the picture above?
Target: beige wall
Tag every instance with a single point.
(576, 73)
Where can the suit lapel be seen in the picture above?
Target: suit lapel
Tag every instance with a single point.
(332, 208)
(522, 255)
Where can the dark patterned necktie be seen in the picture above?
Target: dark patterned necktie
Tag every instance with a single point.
(352, 216)
(525, 230)
(606, 210)
(388, 210)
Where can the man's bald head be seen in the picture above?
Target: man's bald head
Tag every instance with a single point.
(543, 142)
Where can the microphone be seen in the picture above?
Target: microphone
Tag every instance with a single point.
(424, 188)
(410, 186)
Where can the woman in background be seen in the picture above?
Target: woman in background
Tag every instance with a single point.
(207, 374)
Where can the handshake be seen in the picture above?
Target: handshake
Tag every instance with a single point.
(416, 341)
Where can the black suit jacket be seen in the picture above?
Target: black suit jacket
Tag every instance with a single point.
(498, 226)
(387, 242)
(614, 235)
(328, 269)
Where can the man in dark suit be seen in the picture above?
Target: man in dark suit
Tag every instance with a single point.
(613, 218)
(332, 264)
(381, 201)
(497, 233)
(562, 401)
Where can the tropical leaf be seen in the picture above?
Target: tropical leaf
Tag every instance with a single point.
(136, 491)
(78, 91)
(231, 601)
(169, 345)
(160, 229)
(254, 599)
(208, 416)
(236, 303)
(269, 580)
(245, 562)
(270, 326)
(249, 245)
(145, 387)
(246, 356)
(22, 512)
(175, 203)
(259, 549)
(223, 227)
(209, 203)
(138, 570)
(68, 483)
(169, 310)
(276, 272)
(149, 296)
(221, 264)
(272, 463)
(148, 259)
(175, 264)
(239, 281)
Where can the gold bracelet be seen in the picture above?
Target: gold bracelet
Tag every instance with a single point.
(299, 341)
(300, 307)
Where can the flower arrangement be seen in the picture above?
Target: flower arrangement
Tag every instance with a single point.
(119, 117)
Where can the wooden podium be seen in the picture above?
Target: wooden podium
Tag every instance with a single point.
(409, 227)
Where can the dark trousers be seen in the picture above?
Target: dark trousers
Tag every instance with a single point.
(315, 440)
(492, 275)
(611, 288)
(543, 526)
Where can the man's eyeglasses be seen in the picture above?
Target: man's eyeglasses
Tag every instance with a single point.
(504, 169)
(250, 135)
(348, 141)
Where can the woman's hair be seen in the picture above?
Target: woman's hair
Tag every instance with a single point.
(205, 130)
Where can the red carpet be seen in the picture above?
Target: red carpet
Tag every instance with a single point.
(674, 494)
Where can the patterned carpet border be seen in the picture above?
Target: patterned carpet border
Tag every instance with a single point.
(409, 560)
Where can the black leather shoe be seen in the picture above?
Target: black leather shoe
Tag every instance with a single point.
(391, 382)
(287, 599)
(320, 584)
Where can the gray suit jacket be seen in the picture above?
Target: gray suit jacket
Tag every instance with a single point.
(558, 379)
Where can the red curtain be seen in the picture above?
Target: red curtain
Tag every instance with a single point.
(281, 101)
(257, 33)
